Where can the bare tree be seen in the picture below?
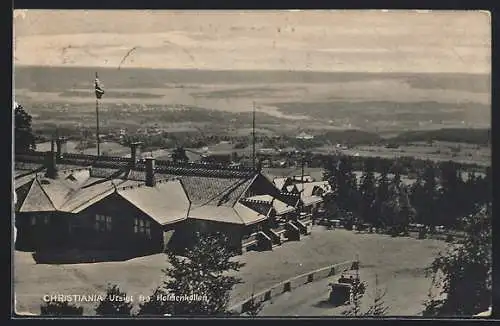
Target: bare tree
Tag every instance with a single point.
(253, 307)
(357, 292)
(378, 307)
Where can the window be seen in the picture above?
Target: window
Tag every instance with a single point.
(108, 223)
(103, 223)
(46, 219)
(141, 224)
(33, 220)
(142, 227)
(148, 229)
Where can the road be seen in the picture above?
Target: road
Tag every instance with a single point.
(405, 293)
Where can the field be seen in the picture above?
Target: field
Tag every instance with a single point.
(438, 151)
(111, 148)
(263, 269)
(285, 100)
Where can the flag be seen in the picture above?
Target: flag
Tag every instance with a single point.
(99, 92)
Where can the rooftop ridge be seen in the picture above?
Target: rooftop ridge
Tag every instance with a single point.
(256, 201)
(110, 161)
(141, 184)
(290, 193)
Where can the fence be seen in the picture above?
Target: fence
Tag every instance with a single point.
(291, 284)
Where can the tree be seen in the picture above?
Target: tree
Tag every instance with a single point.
(375, 309)
(425, 197)
(253, 307)
(367, 190)
(451, 194)
(60, 308)
(398, 209)
(154, 305)
(116, 303)
(200, 277)
(179, 155)
(484, 187)
(357, 292)
(344, 185)
(378, 307)
(381, 197)
(24, 139)
(462, 273)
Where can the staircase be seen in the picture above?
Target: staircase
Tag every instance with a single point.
(303, 226)
(274, 236)
(292, 232)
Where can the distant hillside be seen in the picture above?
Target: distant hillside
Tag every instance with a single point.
(459, 135)
(351, 136)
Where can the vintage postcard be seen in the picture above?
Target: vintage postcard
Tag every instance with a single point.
(251, 163)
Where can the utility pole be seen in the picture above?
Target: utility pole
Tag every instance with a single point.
(302, 170)
(97, 119)
(97, 126)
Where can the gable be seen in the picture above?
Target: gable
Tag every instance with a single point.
(36, 200)
(21, 192)
(165, 203)
(261, 186)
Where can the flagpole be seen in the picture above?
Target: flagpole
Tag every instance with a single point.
(253, 136)
(97, 122)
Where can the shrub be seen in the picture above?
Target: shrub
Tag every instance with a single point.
(115, 303)
(60, 308)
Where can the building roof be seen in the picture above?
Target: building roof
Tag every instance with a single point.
(306, 178)
(167, 202)
(209, 192)
(69, 192)
(36, 200)
(90, 195)
(307, 188)
(307, 191)
(212, 190)
(19, 182)
(310, 200)
(279, 206)
(27, 166)
(280, 182)
(304, 135)
(239, 214)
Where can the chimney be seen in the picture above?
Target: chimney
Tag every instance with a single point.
(61, 146)
(133, 153)
(50, 163)
(150, 171)
(258, 166)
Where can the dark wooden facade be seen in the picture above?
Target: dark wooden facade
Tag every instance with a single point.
(110, 224)
(184, 233)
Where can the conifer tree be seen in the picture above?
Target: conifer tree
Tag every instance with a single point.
(61, 309)
(201, 276)
(115, 303)
(463, 272)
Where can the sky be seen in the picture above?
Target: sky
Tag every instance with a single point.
(350, 41)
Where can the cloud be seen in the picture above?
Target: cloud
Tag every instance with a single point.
(300, 40)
